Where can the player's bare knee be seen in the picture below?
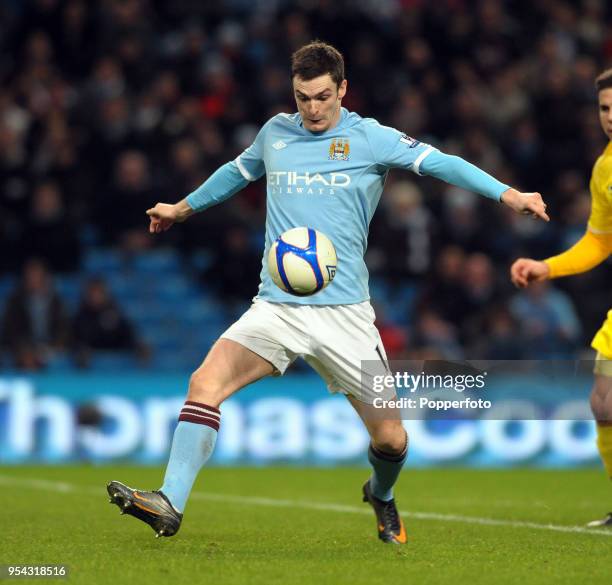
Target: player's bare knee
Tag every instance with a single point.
(391, 439)
(204, 388)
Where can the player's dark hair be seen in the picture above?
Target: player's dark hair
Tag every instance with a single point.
(604, 80)
(318, 58)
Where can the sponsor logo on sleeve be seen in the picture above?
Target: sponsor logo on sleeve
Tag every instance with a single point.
(411, 142)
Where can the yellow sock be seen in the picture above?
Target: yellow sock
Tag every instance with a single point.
(604, 444)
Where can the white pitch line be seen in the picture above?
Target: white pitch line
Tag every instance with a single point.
(63, 487)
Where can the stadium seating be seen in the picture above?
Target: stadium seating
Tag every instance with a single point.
(170, 312)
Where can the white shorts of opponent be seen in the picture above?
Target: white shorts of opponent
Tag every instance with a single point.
(340, 342)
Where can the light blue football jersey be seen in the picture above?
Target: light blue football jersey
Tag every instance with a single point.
(330, 181)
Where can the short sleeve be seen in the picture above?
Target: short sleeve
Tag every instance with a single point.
(394, 149)
(251, 162)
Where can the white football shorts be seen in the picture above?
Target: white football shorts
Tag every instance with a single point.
(340, 342)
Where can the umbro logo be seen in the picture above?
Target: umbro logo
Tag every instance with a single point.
(278, 145)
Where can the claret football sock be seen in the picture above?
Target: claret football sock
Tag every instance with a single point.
(386, 468)
(192, 444)
(604, 444)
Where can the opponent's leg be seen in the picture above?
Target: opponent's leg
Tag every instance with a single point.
(387, 454)
(601, 405)
(228, 367)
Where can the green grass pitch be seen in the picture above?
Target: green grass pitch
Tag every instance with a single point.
(298, 526)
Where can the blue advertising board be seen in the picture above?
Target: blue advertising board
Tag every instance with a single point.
(292, 420)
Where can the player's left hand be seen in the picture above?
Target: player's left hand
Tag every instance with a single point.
(525, 203)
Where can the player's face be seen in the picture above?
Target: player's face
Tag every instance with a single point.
(605, 111)
(318, 101)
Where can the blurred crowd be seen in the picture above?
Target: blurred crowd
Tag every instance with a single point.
(107, 107)
(37, 326)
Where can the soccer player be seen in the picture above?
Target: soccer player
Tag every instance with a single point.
(325, 168)
(592, 249)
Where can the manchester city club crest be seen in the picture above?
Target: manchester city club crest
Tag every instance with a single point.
(339, 149)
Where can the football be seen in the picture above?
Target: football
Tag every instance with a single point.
(302, 261)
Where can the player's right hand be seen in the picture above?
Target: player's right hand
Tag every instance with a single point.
(525, 270)
(162, 216)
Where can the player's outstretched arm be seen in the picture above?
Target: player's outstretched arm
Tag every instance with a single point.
(589, 251)
(525, 203)
(457, 171)
(526, 270)
(222, 184)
